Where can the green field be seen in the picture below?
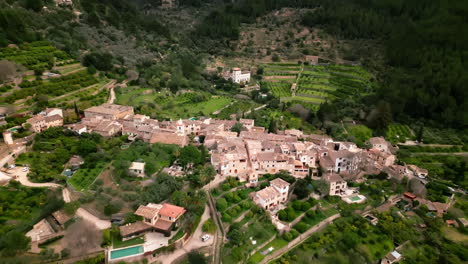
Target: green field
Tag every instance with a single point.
(83, 178)
(166, 105)
(275, 244)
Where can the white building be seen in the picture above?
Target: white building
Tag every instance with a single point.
(238, 76)
(137, 169)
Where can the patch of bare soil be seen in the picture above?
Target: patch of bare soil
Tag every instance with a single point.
(81, 243)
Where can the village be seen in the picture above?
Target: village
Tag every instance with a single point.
(238, 149)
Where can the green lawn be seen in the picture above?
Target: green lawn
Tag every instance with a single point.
(117, 243)
(165, 105)
(83, 178)
(276, 244)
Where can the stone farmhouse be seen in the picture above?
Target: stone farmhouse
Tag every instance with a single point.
(156, 218)
(237, 76)
(338, 185)
(50, 117)
(272, 196)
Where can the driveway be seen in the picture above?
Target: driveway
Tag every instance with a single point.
(22, 177)
(7, 158)
(99, 223)
(193, 244)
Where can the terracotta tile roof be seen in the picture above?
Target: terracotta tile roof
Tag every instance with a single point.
(271, 156)
(146, 211)
(53, 118)
(134, 228)
(268, 193)
(163, 225)
(332, 177)
(377, 140)
(171, 210)
(61, 217)
(280, 183)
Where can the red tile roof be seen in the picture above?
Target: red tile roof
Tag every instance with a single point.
(171, 210)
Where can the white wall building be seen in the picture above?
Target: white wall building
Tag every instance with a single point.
(239, 76)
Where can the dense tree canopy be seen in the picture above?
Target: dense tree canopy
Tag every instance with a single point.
(426, 51)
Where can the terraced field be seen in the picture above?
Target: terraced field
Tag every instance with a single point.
(315, 84)
(35, 55)
(279, 89)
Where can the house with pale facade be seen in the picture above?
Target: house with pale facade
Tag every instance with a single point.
(50, 117)
(238, 76)
(337, 186)
(272, 196)
(161, 218)
(381, 144)
(380, 158)
(137, 169)
(418, 172)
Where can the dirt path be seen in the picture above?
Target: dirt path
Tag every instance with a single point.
(66, 195)
(255, 109)
(193, 244)
(222, 108)
(99, 223)
(22, 177)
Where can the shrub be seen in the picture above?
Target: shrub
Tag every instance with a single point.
(301, 227)
(221, 204)
(287, 236)
(294, 233)
(226, 217)
(282, 215)
(209, 226)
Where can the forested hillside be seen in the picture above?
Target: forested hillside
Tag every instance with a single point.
(426, 51)
(425, 44)
(423, 76)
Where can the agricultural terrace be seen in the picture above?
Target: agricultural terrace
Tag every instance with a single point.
(315, 84)
(34, 56)
(166, 105)
(86, 97)
(247, 225)
(398, 133)
(52, 87)
(83, 178)
(238, 108)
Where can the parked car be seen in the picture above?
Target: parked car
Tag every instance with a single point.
(12, 166)
(205, 238)
(25, 169)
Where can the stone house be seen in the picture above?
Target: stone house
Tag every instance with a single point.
(137, 169)
(156, 217)
(272, 196)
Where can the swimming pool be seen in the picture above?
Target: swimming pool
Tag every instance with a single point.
(354, 199)
(126, 252)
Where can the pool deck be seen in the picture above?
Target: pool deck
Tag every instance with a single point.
(124, 257)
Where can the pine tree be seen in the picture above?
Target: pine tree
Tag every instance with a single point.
(77, 112)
